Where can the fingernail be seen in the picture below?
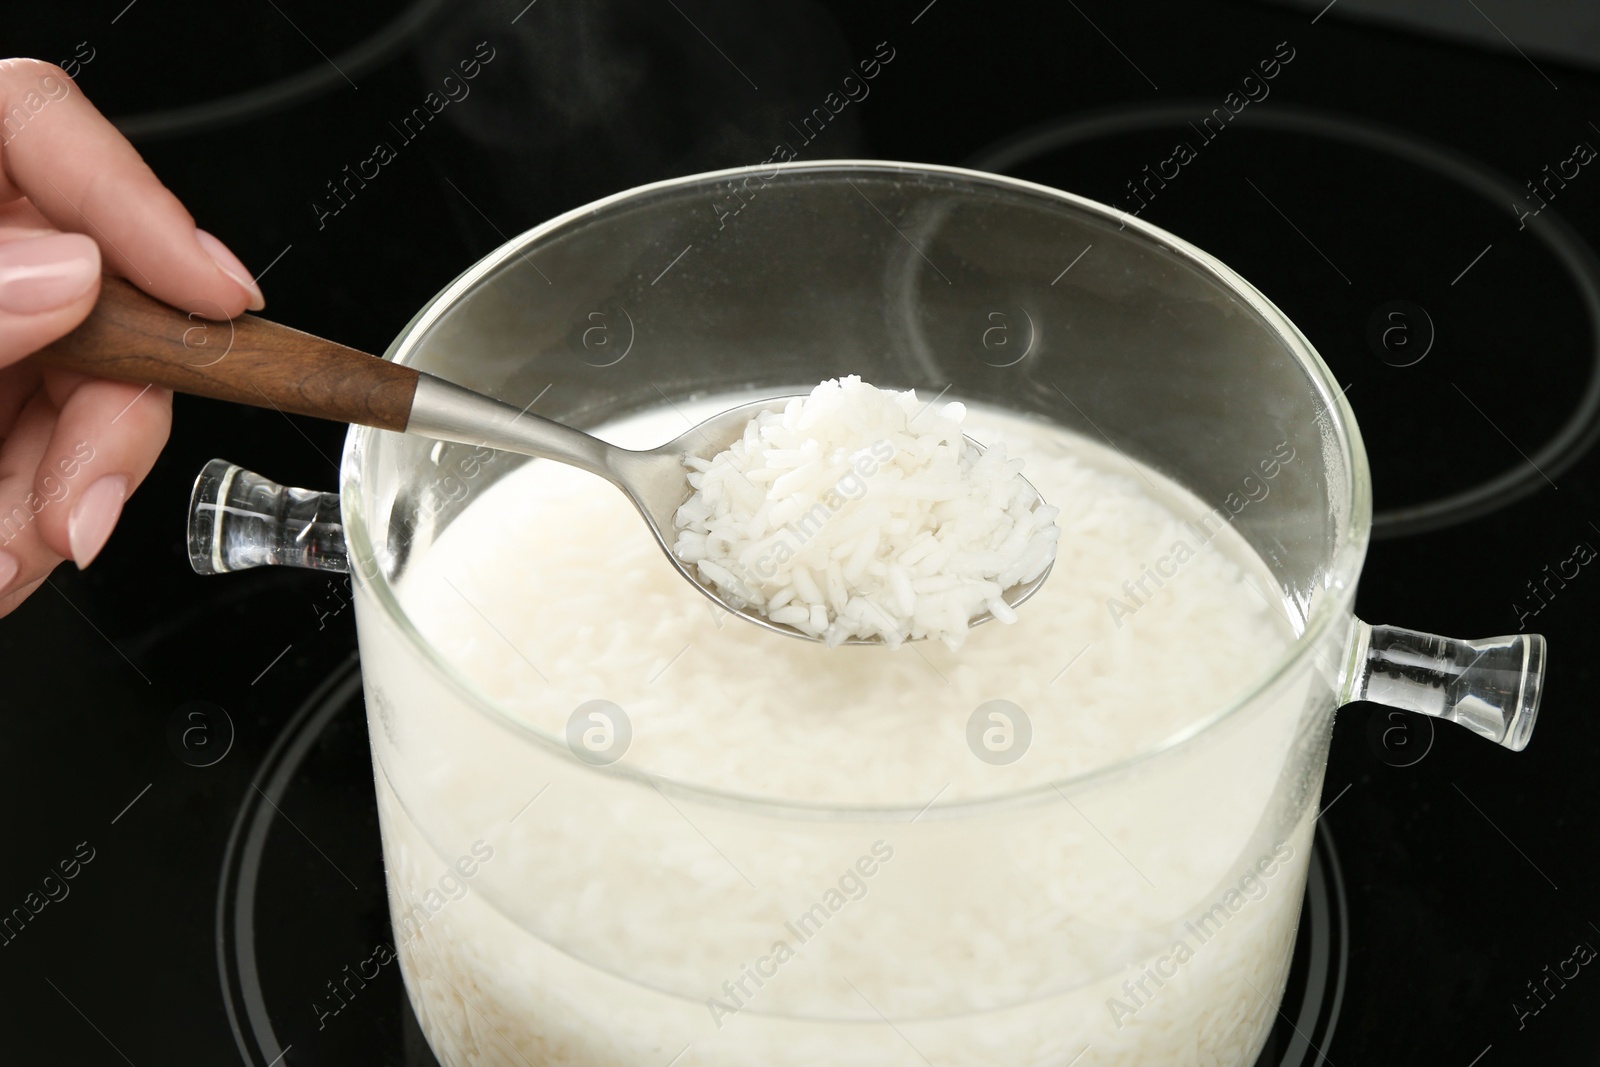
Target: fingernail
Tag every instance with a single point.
(229, 264)
(93, 517)
(8, 569)
(44, 273)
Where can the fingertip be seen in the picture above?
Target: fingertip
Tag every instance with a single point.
(48, 286)
(92, 518)
(48, 272)
(106, 438)
(230, 265)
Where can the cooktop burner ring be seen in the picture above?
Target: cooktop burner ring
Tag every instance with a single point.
(250, 104)
(1310, 1011)
(241, 863)
(1570, 440)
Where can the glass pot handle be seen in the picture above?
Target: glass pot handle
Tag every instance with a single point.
(1491, 686)
(239, 520)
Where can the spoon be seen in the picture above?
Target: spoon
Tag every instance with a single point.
(134, 337)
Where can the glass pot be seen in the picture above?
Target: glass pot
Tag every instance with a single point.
(551, 907)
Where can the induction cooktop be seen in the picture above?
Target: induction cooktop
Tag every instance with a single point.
(1419, 195)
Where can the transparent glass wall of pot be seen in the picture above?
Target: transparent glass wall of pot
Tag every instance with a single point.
(778, 282)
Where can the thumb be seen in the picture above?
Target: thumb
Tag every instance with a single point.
(48, 285)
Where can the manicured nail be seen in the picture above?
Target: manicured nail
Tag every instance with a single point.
(8, 569)
(93, 517)
(44, 273)
(229, 264)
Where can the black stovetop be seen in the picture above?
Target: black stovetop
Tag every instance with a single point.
(1374, 188)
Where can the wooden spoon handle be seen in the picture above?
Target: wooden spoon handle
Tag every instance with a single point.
(137, 338)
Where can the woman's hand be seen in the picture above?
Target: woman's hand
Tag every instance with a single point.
(75, 200)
